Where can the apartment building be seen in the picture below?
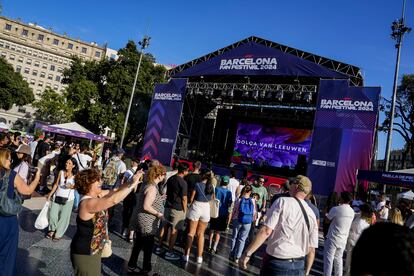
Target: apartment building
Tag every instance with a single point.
(40, 55)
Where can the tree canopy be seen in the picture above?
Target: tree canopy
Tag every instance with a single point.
(52, 108)
(13, 89)
(99, 92)
(404, 114)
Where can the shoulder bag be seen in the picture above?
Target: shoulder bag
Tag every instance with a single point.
(10, 201)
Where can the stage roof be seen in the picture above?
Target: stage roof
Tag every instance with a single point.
(257, 56)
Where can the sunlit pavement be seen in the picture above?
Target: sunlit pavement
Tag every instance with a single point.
(40, 256)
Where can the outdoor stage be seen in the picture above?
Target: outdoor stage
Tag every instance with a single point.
(269, 108)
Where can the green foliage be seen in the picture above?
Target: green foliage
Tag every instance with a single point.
(404, 114)
(99, 92)
(13, 89)
(52, 108)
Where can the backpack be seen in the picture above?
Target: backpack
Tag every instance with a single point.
(10, 201)
(246, 210)
(110, 174)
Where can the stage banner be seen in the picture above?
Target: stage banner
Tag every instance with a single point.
(164, 121)
(252, 58)
(343, 136)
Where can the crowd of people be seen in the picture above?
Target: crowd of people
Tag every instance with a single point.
(188, 207)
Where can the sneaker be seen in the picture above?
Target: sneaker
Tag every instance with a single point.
(159, 250)
(199, 260)
(185, 258)
(171, 256)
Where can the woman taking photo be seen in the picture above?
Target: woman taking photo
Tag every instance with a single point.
(199, 215)
(149, 213)
(61, 200)
(92, 220)
(9, 228)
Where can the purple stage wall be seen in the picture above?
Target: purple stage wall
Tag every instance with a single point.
(343, 135)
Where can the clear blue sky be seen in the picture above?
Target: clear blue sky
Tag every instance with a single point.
(353, 31)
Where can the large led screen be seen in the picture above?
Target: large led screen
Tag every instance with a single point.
(270, 146)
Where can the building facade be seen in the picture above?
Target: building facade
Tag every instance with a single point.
(40, 55)
(396, 161)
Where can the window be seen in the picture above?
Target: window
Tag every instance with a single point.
(7, 46)
(24, 78)
(32, 81)
(60, 60)
(98, 54)
(29, 61)
(35, 54)
(18, 68)
(48, 84)
(44, 66)
(20, 59)
(55, 41)
(12, 57)
(56, 87)
(21, 109)
(70, 46)
(34, 73)
(55, 60)
(25, 32)
(40, 84)
(8, 27)
(60, 69)
(19, 49)
(24, 50)
(12, 47)
(84, 49)
(26, 70)
(3, 55)
(40, 37)
(50, 77)
(37, 64)
(57, 78)
(1, 44)
(52, 68)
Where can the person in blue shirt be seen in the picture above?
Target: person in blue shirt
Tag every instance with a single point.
(219, 224)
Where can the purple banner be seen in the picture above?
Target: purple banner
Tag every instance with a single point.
(164, 121)
(252, 58)
(270, 146)
(343, 135)
(71, 132)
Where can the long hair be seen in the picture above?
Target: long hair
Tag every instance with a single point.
(209, 185)
(246, 189)
(4, 155)
(154, 172)
(75, 169)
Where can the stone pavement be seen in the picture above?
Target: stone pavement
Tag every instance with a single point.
(40, 256)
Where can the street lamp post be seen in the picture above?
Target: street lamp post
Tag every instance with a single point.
(398, 30)
(144, 44)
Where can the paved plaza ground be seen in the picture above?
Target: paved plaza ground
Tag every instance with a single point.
(40, 256)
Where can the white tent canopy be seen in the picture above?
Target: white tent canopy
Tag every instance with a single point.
(4, 126)
(407, 195)
(405, 171)
(73, 126)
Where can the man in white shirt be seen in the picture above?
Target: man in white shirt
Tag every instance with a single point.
(292, 233)
(341, 218)
(82, 158)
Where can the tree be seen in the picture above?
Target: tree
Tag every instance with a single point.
(99, 92)
(404, 114)
(13, 89)
(53, 108)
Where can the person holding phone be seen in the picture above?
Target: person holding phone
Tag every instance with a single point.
(149, 214)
